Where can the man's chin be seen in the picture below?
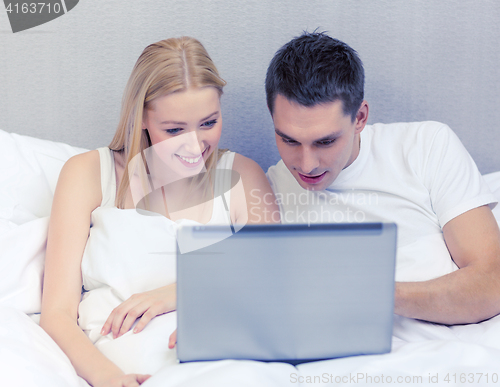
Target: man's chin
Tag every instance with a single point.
(313, 188)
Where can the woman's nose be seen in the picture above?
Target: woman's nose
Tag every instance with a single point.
(193, 144)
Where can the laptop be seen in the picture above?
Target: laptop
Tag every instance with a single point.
(288, 293)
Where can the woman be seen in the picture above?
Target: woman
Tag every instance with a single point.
(164, 159)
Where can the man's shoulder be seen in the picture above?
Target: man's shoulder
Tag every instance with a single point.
(281, 179)
(276, 168)
(278, 172)
(407, 135)
(403, 129)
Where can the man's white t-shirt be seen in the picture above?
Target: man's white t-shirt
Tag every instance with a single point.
(418, 175)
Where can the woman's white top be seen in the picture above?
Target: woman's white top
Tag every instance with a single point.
(126, 253)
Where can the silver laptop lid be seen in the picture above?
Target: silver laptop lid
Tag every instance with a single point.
(285, 292)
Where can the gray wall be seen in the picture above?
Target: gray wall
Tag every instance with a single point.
(424, 60)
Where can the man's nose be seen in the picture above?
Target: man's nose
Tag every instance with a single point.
(309, 160)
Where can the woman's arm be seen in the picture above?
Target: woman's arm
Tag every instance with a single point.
(77, 194)
(254, 202)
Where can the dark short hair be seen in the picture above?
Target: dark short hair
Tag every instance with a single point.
(315, 68)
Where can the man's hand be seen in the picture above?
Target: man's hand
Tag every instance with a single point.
(145, 306)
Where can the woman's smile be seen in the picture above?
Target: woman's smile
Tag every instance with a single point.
(190, 161)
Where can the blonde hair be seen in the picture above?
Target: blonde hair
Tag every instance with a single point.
(170, 65)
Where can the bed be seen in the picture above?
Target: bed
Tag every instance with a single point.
(422, 353)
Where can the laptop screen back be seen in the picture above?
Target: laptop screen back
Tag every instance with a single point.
(286, 292)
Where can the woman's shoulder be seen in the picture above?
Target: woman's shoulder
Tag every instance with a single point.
(86, 163)
(258, 194)
(81, 177)
(245, 165)
(247, 168)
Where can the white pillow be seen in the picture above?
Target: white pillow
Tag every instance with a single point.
(29, 168)
(22, 259)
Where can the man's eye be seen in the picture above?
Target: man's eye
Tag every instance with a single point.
(326, 142)
(209, 124)
(288, 141)
(173, 131)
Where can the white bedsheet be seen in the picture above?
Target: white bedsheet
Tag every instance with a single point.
(433, 352)
(29, 357)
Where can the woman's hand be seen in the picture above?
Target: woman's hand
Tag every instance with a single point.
(130, 380)
(145, 306)
(172, 340)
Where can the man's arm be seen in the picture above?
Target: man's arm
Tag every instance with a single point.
(470, 294)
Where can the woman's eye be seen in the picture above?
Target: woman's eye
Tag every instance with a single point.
(173, 131)
(209, 124)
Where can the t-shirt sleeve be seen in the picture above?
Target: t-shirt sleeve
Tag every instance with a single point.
(452, 178)
(279, 178)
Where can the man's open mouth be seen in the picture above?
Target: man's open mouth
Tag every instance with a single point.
(312, 179)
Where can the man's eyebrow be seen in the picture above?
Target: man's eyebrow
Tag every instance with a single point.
(330, 136)
(283, 135)
(184, 123)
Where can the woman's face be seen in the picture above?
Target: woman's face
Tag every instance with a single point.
(184, 128)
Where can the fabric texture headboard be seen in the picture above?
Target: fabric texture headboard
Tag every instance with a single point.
(64, 79)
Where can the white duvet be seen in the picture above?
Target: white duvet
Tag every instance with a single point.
(422, 353)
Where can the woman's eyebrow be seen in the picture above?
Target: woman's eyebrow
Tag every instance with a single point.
(173, 122)
(184, 123)
(211, 115)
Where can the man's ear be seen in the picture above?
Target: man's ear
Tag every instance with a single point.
(361, 117)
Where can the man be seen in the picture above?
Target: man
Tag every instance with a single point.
(334, 168)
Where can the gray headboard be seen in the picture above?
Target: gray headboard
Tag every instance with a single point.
(424, 60)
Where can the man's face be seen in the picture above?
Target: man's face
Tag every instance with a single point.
(317, 142)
